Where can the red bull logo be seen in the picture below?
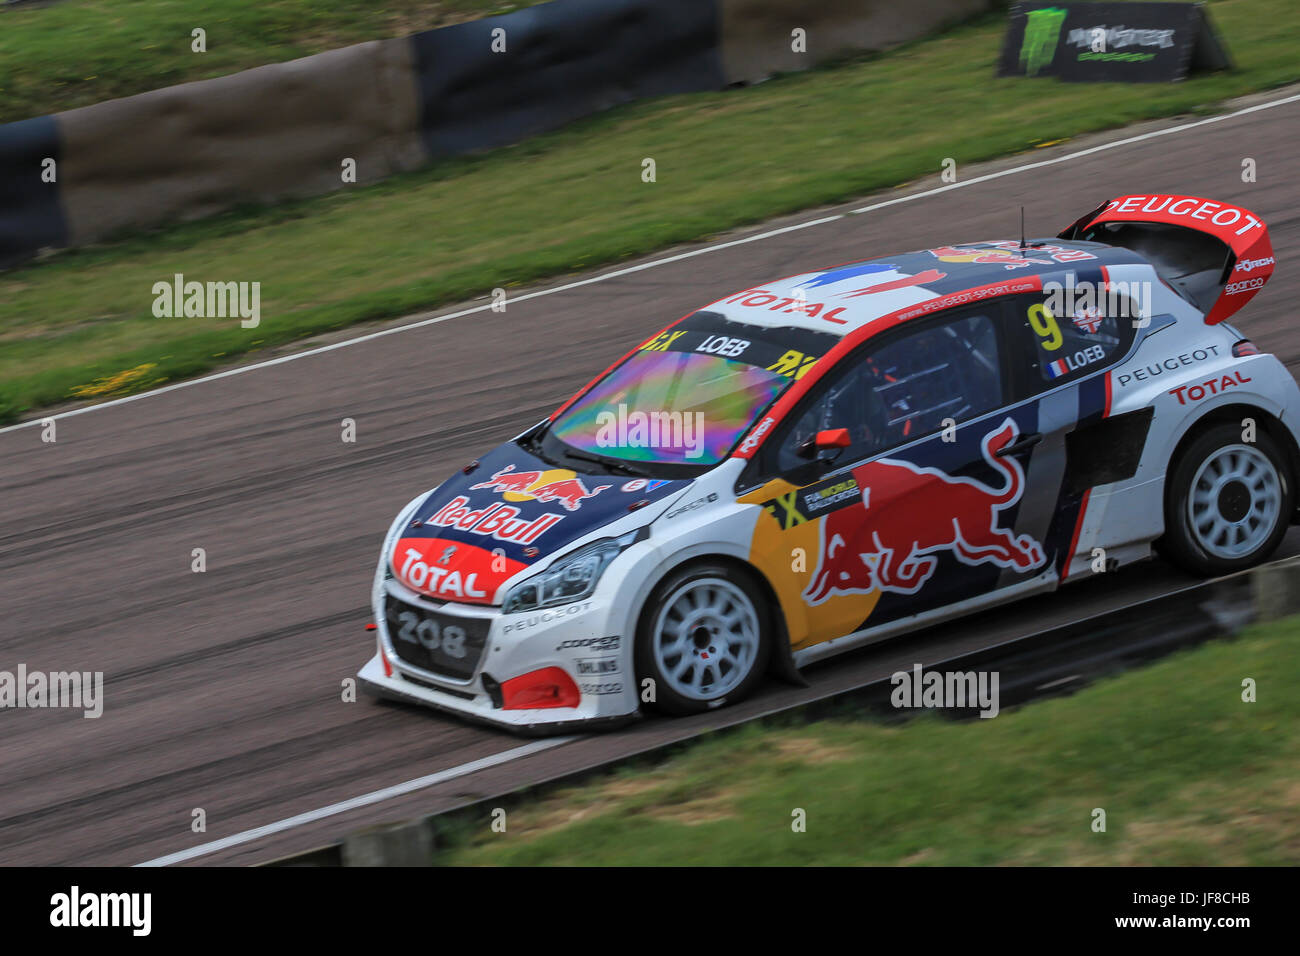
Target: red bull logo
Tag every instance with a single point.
(920, 511)
(509, 480)
(559, 486)
(1009, 260)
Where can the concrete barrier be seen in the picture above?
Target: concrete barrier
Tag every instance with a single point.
(401, 844)
(262, 135)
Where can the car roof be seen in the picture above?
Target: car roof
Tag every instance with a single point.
(848, 297)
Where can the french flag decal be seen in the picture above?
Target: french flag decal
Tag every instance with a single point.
(1058, 368)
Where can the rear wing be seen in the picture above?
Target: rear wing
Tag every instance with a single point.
(1215, 254)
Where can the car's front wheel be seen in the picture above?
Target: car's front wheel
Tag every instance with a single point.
(1227, 503)
(703, 639)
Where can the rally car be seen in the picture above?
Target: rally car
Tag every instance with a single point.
(843, 456)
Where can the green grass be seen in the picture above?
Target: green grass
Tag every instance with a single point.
(77, 52)
(1187, 773)
(574, 199)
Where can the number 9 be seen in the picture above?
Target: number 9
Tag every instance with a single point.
(1044, 325)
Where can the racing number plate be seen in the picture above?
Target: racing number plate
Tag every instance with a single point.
(442, 644)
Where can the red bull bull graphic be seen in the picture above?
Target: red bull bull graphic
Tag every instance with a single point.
(563, 487)
(509, 480)
(908, 513)
(1007, 259)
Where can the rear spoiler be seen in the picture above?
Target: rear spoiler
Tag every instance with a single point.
(1215, 254)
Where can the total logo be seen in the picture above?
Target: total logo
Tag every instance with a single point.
(1194, 393)
(416, 573)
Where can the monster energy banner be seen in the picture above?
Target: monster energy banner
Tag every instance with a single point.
(1111, 42)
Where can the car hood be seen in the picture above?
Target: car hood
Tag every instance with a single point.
(478, 529)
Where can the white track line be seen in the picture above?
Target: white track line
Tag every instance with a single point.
(1077, 154)
(378, 796)
(715, 247)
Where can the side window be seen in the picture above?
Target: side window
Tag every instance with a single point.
(906, 387)
(1068, 336)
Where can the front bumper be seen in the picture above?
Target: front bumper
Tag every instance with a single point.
(373, 681)
(584, 639)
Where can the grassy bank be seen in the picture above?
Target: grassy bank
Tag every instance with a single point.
(76, 52)
(1187, 773)
(80, 323)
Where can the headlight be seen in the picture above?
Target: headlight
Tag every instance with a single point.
(572, 577)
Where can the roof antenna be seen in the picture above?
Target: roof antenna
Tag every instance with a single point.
(1022, 228)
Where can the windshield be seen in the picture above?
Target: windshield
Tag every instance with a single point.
(688, 395)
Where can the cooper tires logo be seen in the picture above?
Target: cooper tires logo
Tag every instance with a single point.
(591, 643)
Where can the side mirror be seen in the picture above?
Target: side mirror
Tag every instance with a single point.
(830, 439)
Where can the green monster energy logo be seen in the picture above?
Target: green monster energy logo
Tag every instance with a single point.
(1042, 33)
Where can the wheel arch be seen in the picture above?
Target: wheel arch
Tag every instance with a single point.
(781, 659)
(1233, 414)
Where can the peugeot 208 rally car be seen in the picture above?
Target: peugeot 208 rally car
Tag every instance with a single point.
(834, 458)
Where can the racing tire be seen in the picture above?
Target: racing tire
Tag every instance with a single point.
(1227, 503)
(703, 639)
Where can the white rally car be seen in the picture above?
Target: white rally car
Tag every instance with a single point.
(838, 457)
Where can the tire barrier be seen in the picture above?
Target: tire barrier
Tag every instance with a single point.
(758, 36)
(495, 81)
(286, 130)
(31, 218)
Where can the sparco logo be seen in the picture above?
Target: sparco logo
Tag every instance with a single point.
(595, 643)
(1245, 285)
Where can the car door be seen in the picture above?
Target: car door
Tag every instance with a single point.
(921, 510)
(1062, 344)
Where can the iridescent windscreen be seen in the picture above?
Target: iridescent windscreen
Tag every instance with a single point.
(670, 406)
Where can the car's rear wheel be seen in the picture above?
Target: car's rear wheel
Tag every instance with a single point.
(703, 640)
(1227, 502)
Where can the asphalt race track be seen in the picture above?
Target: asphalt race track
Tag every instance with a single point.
(223, 688)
